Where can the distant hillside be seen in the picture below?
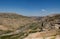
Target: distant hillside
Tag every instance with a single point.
(11, 21)
(15, 26)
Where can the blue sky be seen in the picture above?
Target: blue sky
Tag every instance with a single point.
(30, 7)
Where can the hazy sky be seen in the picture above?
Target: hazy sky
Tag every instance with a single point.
(30, 7)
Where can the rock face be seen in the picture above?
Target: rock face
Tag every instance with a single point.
(14, 26)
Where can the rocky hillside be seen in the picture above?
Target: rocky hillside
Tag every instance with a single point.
(14, 26)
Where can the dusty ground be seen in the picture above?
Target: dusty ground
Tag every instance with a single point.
(44, 35)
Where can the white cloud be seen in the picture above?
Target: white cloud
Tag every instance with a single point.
(43, 10)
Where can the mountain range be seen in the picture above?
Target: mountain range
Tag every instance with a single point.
(15, 26)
